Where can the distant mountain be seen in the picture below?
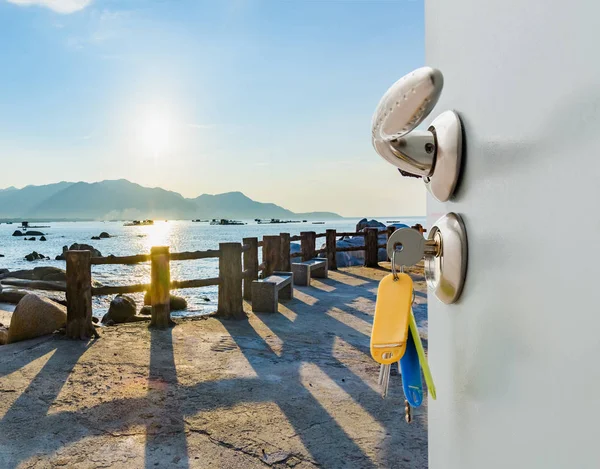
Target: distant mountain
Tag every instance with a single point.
(237, 205)
(20, 202)
(124, 200)
(112, 200)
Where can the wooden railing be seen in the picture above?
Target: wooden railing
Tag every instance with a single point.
(238, 267)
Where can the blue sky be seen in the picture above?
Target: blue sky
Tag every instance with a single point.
(273, 98)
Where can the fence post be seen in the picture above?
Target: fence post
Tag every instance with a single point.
(330, 245)
(271, 254)
(285, 263)
(308, 242)
(79, 295)
(371, 241)
(250, 265)
(160, 287)
(230, 286)
(389, 232)
(419, 228)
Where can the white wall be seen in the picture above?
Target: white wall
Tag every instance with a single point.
(517, 361)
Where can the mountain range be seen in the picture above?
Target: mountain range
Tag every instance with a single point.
(125, 200)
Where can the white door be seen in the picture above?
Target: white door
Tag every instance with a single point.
(517, 360)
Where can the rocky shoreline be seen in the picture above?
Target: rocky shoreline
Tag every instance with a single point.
(17, 315)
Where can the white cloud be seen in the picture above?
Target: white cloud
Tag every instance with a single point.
(59, 6)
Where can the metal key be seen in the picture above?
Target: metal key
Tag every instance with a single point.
(384, 377)
(407, 412)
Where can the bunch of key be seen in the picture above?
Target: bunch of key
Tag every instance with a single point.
(395, 338)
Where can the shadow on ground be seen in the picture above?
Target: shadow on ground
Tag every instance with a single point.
(292, 389)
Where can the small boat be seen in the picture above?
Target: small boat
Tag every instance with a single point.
(318, 222)
(26, 226)
(224, 221)
(140, 223)
(274, 221)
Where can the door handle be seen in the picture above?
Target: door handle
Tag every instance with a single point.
(434, 154)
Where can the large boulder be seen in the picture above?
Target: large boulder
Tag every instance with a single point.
(34, 233)
(35, 256)
(364, 223)
(104, 235)
(295, 248)
(42, 238)
(12, 296)
(79, 247)
(34, 317)
(177, 303)
(50, 274)
(122, 309)
(18, 233)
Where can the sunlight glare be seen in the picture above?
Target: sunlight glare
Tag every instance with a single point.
(158, 234)
(154, 133)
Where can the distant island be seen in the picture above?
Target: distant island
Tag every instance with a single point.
(124, 200)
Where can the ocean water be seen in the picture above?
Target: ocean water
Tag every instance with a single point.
(180, 235)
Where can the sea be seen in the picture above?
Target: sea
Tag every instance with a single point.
(179, 235)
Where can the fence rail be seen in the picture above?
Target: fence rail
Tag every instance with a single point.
(238, 268)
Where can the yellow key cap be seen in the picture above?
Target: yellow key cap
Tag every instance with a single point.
(392, 316)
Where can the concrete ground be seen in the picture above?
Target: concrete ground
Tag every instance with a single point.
(293, 389)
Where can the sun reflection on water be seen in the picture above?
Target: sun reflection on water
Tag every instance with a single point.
(158, 234)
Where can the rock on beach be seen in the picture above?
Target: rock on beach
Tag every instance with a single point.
(34, 317)
(122, 309)
(78, 247)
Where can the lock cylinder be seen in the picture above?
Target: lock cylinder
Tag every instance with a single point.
(444, 253)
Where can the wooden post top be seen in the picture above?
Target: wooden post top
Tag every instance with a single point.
(230, 244)
(80, 253)
(159, 250)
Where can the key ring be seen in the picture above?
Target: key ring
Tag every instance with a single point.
(394, 273)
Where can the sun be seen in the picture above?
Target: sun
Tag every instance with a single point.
(155, 133)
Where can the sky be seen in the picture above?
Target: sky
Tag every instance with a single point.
(272, 98)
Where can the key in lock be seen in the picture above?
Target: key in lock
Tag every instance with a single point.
(406, 247)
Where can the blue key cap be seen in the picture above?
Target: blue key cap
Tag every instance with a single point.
(411, 374)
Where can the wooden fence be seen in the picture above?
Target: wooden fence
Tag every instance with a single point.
(238, 267)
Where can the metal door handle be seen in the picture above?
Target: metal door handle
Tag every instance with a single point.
(433, 154)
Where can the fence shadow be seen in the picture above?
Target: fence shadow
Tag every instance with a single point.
(166, 441)
(322, 327)
(36, 400)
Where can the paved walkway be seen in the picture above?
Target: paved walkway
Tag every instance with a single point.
(293, 389)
